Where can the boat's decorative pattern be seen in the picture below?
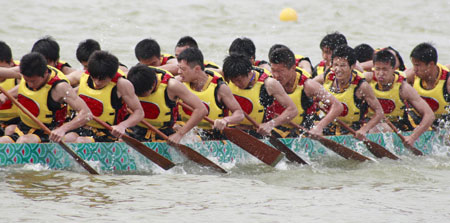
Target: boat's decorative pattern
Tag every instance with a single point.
(119, 157)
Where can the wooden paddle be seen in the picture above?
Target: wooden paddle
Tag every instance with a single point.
(188, 152)
(252, 145)
(332, 145)
(375, 148)
(48, 131)
(150, 154)
(290, 155)
(413, 149)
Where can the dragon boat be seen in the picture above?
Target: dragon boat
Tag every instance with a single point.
(118, 157)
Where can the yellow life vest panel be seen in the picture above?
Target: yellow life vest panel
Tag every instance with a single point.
(437, 98)
(103, 103)
(393, 106)
(208, 96)
(320, 68)
(352, 105)
(165, 57)
(158, 108)
(8, 110)
(40, 103)
(304, 104)
(210, 64)
(254, 101)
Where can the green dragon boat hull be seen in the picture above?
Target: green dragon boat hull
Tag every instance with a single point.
(118, 157)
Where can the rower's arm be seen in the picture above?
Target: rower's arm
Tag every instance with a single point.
(230, 102)
(365, 91)
(13, 92)
(319, 79)
(410, 75)
(305, 65)
(125, 90)
(176, 90)
(408, 93)
(64, 93)
(11, 72)
(74, 77)
(172, 68)
(275, 89)
(315, 90)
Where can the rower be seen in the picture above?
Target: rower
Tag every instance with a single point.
(303, 92)
(84, 50)
(327, 45)
(48, 47)
(255, 90)
(107, 92)
(431, 80)
(301, 62)
(393, 92)
(8, 111)
(158, 92)
(212, 90)
(44, 91)
(245, 46)
(188, 42)
(356, 95)
(148, 52)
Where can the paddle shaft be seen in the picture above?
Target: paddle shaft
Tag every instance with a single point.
(77, 158)
(155, 157)
(290, 155)
(188, 152)
(413, 149)
(376, 149)
(252, 145)
(332, 145)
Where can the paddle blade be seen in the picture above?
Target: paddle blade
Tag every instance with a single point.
(290, 155)
(198, 158)
(252, 145)
(339, 149)
(378, 150)
(414, 150)
(150, 154)
(78, 158)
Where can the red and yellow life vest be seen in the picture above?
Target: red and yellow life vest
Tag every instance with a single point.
(351, 112)
(304, 104)
(100, 101)
(37, 101)
(208, 96)
(254, 101)
(159, 110)
(437, 98)
(393, 106)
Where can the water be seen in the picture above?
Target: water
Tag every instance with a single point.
(330, 190)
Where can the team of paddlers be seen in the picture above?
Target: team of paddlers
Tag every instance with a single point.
(362, 87)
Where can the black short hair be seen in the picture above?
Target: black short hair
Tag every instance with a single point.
(236, 65)
(425, 52)
(344, 51)
(146, 49)
(193, 56)
(274, 47)
(243, 46)
(187, 41)
(364, 52)
(48, 47)
(33, 64)
(102, 65)
(384, 56)
(401, 66)
(86, 48)
(333, 40)
(5, 52)
(284, 56)
(142, 77)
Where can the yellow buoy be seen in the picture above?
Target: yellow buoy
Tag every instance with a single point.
(288, 14)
